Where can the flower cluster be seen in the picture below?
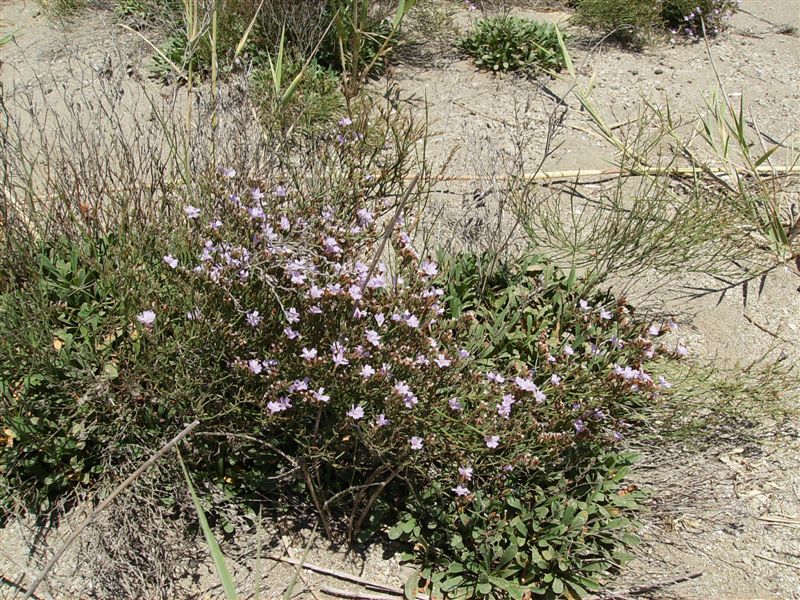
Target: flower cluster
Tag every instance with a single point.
(339, 348)
(709, 15)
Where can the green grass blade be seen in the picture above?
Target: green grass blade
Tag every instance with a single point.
(216, 554)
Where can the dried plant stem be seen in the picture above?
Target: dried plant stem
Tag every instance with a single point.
(638, 172)
(104, 504)
(344, 576)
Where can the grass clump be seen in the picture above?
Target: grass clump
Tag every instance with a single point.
(508, 43)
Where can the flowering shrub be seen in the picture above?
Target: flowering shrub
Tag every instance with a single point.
(688, 17)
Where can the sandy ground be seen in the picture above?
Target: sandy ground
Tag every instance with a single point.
(725, 518)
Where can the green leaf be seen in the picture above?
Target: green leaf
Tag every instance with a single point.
(225, 577)
(410, 588)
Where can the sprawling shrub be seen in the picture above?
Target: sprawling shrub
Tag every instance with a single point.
(635, 22)
(691, 18)
(508, 43)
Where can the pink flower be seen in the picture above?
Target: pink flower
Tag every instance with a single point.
(492, 441)
(320, 395)
(604, 314)
(228, 172)
(309, 354)
(429, 268)
(171, 261)
(356, 412)
(584, 305)
(495, 377)
(568, 350)
(525, 384)
(146, 318)
(416, 442)
(355, 292)
(254, 365)
(373, 337)
(465, 472)
(192, 212)
(654, 329)
(331, 246)
(461, 490)
(290, 333)
(253, 318)
(442, 361)
(381, 420)
(367, 372)
(292, 316)
(455, 404)
(682, 350)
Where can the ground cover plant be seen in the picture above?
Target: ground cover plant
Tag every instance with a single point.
(509, 43)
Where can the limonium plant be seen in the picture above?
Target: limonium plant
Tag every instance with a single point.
(342, 353)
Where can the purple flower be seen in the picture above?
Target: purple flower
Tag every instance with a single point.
(604, 314)
(422, 360)
(192, 212)
(555, 379)
(171, 261)
(299, 385)
(381, 420)
(355, 292)
(463, 353)
(309, 354)
(455, 404)
(315, 310)
(579, 425)
(654, 329)
(682, 350)
(284, 224)
(662, 382)
(320, 395)
(337, 350)
(373, 337)
(254, 365)
(465, 472)
(256, 194)
(584, 305)
(253, 318)
(461, 490)
(364, 216)
(215, 224)
(568, 350)
(525, 384)
(280, 191)
(345, 121)
(290, 333)
(492, 441)
(292, 316)
(228, 172)
(256, 212)
(380, 319)
(356, 412)
(331, 246)
(146, 318)
(429, 268)
(315, 293)
(442, 361)
(495, 377)
(367, 372)
(416, 442)
(412, 321)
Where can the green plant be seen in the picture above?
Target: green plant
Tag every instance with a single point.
(62, 8)
(316, 102)
(630, 22)
(696, 18)
(508, 43)
(557, 536)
